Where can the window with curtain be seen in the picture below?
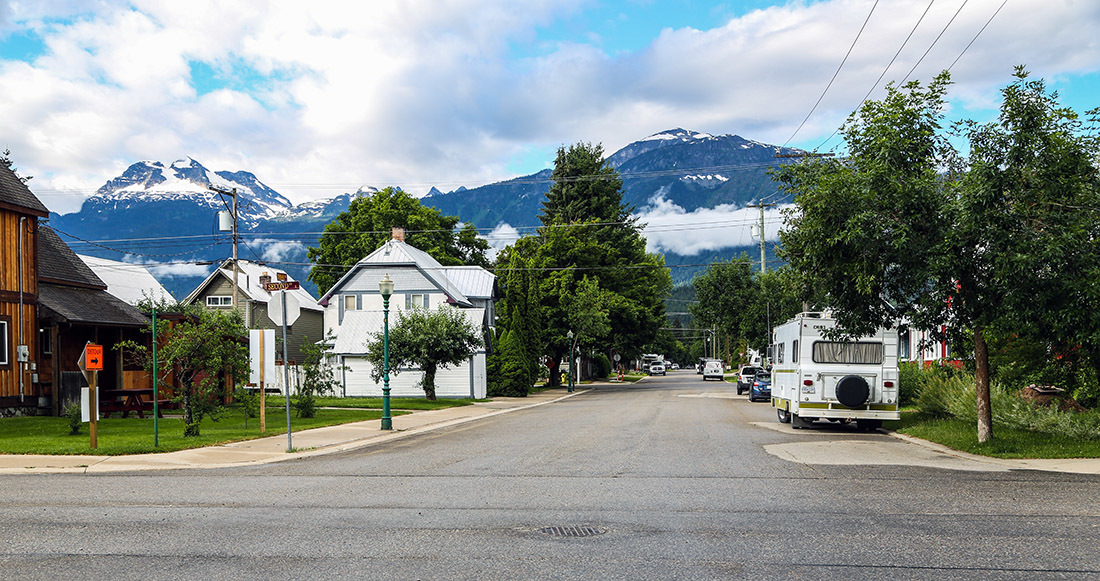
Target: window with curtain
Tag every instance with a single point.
(844, 352)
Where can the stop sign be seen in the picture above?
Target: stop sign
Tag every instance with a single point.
(275, 308)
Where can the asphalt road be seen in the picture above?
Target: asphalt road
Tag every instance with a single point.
(671, 478)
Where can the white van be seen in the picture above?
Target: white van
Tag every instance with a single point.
(817, 378)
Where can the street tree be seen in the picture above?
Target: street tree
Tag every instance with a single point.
(904, 230)
(723, 294)
(198, 348)
(367, 224)
(425, 339)
(588, 231)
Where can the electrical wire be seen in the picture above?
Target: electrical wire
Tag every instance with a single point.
(934, 42)
(995, 13)
(884, 71)
(814, 108)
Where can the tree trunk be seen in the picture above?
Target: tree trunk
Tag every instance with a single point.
(429, 382)
(555, 374)
(981, 376)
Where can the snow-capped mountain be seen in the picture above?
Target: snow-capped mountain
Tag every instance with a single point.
(188, 181)
(690, 169)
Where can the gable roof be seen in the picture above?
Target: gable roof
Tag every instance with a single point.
(58, 264)
(398, 253)
(15, 195)
(248, 281)
(127, 281)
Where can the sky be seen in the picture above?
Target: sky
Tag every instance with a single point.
(321, 98)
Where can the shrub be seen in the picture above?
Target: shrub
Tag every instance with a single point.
(602, 366)
(73, 413)
(910, 380)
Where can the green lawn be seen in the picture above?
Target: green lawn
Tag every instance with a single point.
(1006, 442)
(50, 435)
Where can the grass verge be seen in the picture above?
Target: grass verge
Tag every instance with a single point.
(1006, 442)
(119, 436)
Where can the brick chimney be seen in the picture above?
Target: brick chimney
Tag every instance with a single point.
(265, 278)
(398, 233)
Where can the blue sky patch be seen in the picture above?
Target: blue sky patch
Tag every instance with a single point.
(21, 45)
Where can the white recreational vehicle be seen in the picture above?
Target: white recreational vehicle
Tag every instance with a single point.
(817, 378)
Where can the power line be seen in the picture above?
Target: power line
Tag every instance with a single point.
(884, 71)
(995, 13)
(814, 108)
(934, 42)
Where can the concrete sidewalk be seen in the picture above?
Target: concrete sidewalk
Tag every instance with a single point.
(273, 449)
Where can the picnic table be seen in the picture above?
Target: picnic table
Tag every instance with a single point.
(129, 400)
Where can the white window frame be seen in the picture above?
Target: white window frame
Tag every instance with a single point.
(353, 300)
(5, 342)
(412, 301)
(219, 301)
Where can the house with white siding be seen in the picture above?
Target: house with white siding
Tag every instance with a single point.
(353, 313)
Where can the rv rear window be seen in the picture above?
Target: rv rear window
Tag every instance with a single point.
(839, 352)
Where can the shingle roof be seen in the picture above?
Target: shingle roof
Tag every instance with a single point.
(57, 263)
(14, 192)
(88, 306)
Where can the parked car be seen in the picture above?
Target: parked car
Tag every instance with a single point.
(761, 389)
(713, 369)
(745, 377)
(657, 368)
(675, 366)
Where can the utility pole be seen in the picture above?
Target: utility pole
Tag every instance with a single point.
(763, 259)
(233, 210)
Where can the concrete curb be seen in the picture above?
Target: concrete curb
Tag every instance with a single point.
(1066, 465)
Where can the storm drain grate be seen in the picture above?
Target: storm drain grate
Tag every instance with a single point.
(572, 531)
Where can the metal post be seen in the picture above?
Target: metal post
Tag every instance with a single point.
(156, 408)
(286, 378)
(385, 288)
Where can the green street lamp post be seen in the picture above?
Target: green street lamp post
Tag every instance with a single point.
(385, 287)
(572, 346)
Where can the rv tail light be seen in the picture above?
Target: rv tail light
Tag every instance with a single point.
(807, 382)
(888, 384)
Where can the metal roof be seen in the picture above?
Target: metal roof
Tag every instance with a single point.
(397, 253)
(248, 281)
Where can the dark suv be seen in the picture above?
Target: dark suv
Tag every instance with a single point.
(761, 388)
(745, 377)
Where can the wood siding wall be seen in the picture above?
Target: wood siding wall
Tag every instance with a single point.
(10, 295)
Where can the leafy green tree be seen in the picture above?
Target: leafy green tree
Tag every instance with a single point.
(367, 224)
(723, 294)
(777, 299)
(198, 348)
(318, 378)
(588, 231)
(426, 340)
(899, 231)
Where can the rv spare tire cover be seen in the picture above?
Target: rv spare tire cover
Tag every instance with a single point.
(852, 391)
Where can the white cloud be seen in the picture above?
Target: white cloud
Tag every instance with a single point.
(501, 237)
(671, 228)
(171, 270)
(274, 250)
(324, 97)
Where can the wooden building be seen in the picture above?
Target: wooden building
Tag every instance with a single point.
(20, 212)
(74, 308)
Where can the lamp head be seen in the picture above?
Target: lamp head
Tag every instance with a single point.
(385, 286)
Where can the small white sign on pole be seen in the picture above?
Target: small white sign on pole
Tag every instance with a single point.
(261, 358)
(86, 413)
